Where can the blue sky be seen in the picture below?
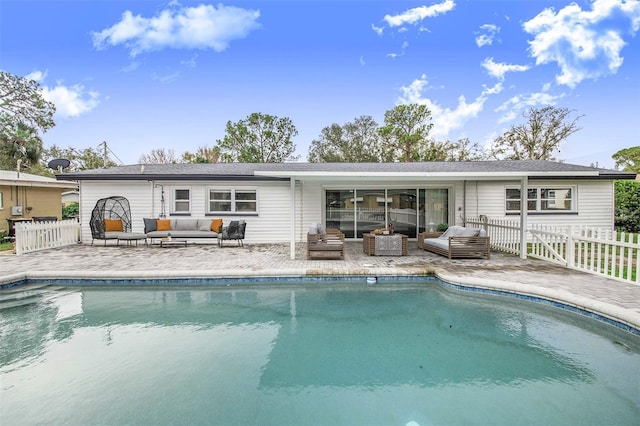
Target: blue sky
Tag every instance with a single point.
(149, 74)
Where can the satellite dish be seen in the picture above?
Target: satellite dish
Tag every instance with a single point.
(59, 164)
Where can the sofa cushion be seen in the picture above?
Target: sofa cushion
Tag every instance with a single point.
(150, 225)
(185, 225)
(468, 232)
(163, 225)
(204, 224)
(437, 242)
(113, 225)
(216, 225)
(451, 232)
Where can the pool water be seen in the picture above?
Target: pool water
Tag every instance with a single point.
(329, 354)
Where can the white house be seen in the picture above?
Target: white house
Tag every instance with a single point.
(280, 201)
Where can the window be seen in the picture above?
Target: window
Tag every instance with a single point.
(233, 200)
(181, 201)
(1, 202)
(542, 200)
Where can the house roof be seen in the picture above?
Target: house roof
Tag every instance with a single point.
(13, 178)
(480, 170)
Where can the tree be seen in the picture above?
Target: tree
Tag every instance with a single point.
(260, 138)
(354, 142)
(627, 202)
(464, 150)
(405, 132)
(203, 155)
(21, 101)
(538, 138)
(159, 156)
(85, 159)
(22, 145)
(628, 159)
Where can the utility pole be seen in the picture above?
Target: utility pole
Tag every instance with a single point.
(104, 154)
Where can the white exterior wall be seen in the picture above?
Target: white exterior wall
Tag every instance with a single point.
(594, 202)
(270, 225)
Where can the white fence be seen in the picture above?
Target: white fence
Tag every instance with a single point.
(35, 236)
(591, 250)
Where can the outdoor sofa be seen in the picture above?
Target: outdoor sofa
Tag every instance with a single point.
(324, 243)
(458, 242)
(185, 228)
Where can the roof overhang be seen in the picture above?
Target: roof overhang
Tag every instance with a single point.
(61, 184)
(449, 176)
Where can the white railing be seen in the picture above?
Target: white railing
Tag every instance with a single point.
(592, 250)
(36, 236)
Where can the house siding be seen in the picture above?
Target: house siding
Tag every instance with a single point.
(594, 208)
(270, 225)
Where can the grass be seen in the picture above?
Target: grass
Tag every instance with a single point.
(6, 246)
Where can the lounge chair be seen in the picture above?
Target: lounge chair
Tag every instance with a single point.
(458, 243)
(325, 244)
(234, 231)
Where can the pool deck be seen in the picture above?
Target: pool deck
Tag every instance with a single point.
(606, 297)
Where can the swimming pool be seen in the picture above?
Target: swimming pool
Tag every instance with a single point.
(329, 353)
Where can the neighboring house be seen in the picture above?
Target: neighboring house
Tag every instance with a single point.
(69, 197)
(280, 201)
(24, 196)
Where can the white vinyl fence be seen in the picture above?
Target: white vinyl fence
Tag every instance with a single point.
(35, 236)
(596, 251)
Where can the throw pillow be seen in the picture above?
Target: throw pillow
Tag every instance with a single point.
(468, 232)
(216, 225)
(204, 224)
(150, 225)
(321, 229)
(163, 224)
(451, 231)
(186, 225)
(113, 225)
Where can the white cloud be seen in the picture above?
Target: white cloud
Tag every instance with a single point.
(514, 107)
(70, 101)
(378, 30)
(166, 78)
(498, 70)
(417, 14)
(403, 49)
(447, 119)
(490, 32)
(362, 62)
(584, 44)
(200, 27)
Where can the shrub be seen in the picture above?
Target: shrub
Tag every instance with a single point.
(441, 227)
(70, 210)
(627, 210)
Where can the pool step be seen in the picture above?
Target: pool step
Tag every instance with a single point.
(27, 294)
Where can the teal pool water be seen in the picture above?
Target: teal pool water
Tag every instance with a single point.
(317, 354)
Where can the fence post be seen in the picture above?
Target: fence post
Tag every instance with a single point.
(571, 248)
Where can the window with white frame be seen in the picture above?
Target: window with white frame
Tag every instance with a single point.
(224, 200)
(181, 200)
(543, 200)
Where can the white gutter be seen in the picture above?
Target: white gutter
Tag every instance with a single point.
(440, 175)
(36, 184)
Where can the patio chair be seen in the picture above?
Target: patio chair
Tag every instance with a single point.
(325, 245)
(234, 231)
(111, 220)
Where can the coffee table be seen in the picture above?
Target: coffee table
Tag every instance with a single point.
(172, 243)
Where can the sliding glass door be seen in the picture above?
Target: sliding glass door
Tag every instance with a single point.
(360, 211)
